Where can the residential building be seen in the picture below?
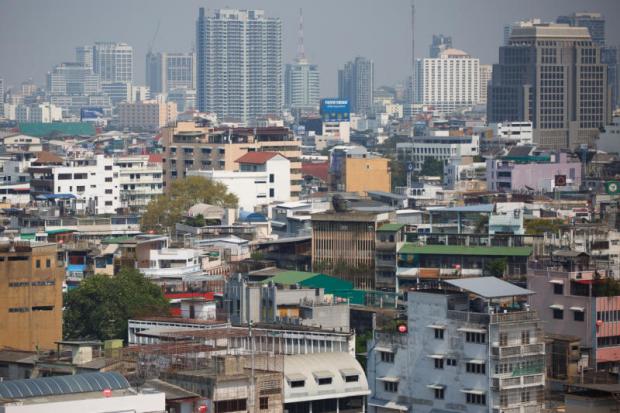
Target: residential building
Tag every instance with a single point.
(113, 62)
(31, 282)
(459, 173)
(84, 56)
(344, 241)
(184, 98)
(146, 115)
(486, 74)
(169, 71)
(517, 133)
(524, 168)
(448, 82)
(356, 82)
(171, 263)
(38, 113)
(467, 345)
(190, 146)
(73, 79)
(353, 169)
(439, 45)
(2, 90)
(301, 86)
(439, 147)
(19, 144)
(561, 86)
(140, 179)
(388, 241)
(239, 64)
(263, 178)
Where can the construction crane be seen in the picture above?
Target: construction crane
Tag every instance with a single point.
(154, 36)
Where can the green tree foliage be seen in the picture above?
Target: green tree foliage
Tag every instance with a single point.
(399, 173)
(538, 226)
(496, 267)
(166, 210)
(100, 307)
(197, 221)
(432, 167)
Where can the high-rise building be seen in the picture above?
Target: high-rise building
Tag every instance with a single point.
(1, 90)
(113, 62)
(595, 23)
(524, 23)
(73, 79)
(84, 56)
(552, 75)
(356, 84)
(169, 71)
(439, 44)
(486, 71)
(239, 64)
(448, 82)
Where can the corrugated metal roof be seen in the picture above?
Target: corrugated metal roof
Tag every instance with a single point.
(291, 277)
(61, 128)
(489, 287)
(465, 250)
(390, 227)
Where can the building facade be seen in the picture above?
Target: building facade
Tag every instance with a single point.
(439, 44)
(301, 86)
(486, 73)
(113, 62)
(239, 64)
(169, 71)
(146, 115)
(73, 79)
(353, 169)
(140, 180)
(442, 148)
(356, 82)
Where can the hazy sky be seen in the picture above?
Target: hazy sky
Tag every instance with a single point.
(36, 34)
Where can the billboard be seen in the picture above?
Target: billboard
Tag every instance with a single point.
(91, 114)
(335, 110)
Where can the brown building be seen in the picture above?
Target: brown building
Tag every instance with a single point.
(189, 146)
(354, 169)
(343, 244)
(30, 296)
(146, 115)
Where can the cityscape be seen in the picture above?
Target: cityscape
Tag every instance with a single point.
(309, 207)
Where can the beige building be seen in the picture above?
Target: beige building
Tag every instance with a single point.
(188, 146)
(486, 73)
(30, 296)
(147, 114)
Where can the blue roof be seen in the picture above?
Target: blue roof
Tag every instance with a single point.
(57, 385)
(466, 208)
(55, 196)
(76, 267)
(251, 216)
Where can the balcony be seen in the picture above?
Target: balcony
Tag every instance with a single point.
(469, 317)
(518, 382)
(439, 272)
(518, 350)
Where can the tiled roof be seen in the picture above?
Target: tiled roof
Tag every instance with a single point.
(257, 158)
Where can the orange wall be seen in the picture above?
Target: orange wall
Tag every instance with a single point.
(364, 174)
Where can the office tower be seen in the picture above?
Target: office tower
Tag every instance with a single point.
(524, 23)
(169, 71)
(595, 23)
(552, 75)
(448, 82)
(84, 56)
(440, 43)
(113, 62)
(356, 83)
(1, 90)
(301, 80)
(117, 91)
(486, 71)
(239, 64)
(72, 79)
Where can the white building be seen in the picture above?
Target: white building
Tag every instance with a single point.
(486, 73)
(94, 181)
(337, 131)
(301, 85)
(441, 148)
(113, 62)
(140, 180)
(168, 263)
(73, 79)
(463, 169)
(609, 140)
(517, 133)
(449, 82)
(472, 346)
(263, 177)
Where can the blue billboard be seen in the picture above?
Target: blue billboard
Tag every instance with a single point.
(335, 110)
(91, 114)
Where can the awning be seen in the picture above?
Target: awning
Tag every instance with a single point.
(349, 372)
(295, 377)
(436, 386)
(76, 267)
(437, 356)
(384, 349)
(390, 379)
(581, 309)
(473, 391)
(436, 327)
(387, 404)
(472, 330)
(557, 306)
(278, 223)
(322, 374)
(557, 281)
(476, 361)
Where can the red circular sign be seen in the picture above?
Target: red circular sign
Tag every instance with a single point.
(402, 328)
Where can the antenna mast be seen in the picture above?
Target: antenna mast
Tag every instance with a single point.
(301, 51)
(413, 51)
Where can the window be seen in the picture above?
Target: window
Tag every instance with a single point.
(108, 167)
(108, 179)
(387, 357)
(18, 310)
(298, 383)
(439, 394)
(475, 368)
(439, 363)
(351, 379)
(64, 177)
(390, 387)
(80, 188)
(108, 203)
(80, 176)
(263, 403)
(478, 338)
(558, 314)
(108, 191)
(271, 178)
(476, 399)
(503, 339)
(19, 284)
(525, 396)
(272, 193)
(451, 362)
(225, 406)
(558, 289)
(438, 333)
(43, 308)
(324, 380)
(525, 337)
(578, 315)
(38, 263)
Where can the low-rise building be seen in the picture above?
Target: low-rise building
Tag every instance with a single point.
(140, 178)
(441, 147)
(354, 169)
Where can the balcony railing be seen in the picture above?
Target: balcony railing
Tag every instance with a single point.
(516, 382)
(467, 316)
(513, 316)
(518, 351)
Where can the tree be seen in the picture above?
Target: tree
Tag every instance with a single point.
(166, 210)
(539, 226)
(432, 167)
(197, 221)
(101, 306)
(496, 268)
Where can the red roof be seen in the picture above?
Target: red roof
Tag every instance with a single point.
(318, 170)
(156, 157)
(257, 158)
(208, 296)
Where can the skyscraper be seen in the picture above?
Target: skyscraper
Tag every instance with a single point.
(169, 71)
(486, 71)
(239, 64)
(356, 83)
(301, 79)
(84, 56)
(595, 24)
(551, 75)
(73, 79)
(440, 43)
(1, 90)
(113, 62)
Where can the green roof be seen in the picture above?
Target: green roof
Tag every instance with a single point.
(327, 282)
(465, 250)
(60, 231)
(290, 277)
(61, 128)
(390, 227)
(116, 240)
(30, 235)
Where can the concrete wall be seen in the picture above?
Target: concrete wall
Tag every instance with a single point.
(139, 403)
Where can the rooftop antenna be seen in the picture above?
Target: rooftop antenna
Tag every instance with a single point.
(154, 36)
(301, 52)
(412, 51)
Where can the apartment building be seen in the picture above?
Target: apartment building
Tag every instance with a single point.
(438, 147)
(146, 115)
(470, 345)
(354, 169)
(31, 281)
(140, 179)
(190, 146)
(389, 239)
